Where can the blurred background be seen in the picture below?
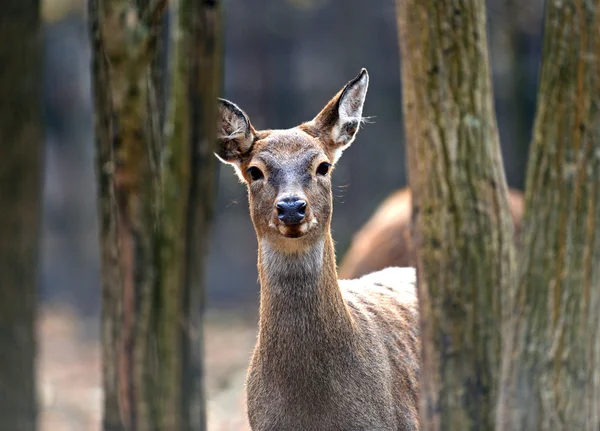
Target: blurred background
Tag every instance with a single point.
(281, 66)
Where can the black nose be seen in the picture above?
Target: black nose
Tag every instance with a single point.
(291, 210)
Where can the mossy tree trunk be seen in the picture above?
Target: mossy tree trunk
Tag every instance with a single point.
(21, 143)
(551, 368)
(463, 229)
(157, 177)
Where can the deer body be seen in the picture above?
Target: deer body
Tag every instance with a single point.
(386, 239)
(330, 355)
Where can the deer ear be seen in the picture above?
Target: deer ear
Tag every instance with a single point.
(235, 134)
(338, 123)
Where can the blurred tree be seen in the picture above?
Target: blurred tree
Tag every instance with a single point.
(20, 209)
(552, 362)
(463, 229)
(156, 172)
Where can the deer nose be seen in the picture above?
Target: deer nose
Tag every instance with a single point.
(291, 210)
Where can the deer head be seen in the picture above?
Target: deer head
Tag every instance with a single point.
(288, 172)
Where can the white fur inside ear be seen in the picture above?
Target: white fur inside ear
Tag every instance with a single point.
(233, 126)
(353, 99)
(342, 136)
(350, 114)
(235, 136)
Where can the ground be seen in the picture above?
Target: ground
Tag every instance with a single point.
(69, 370)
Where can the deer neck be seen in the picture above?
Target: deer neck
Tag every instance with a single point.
(301, 306)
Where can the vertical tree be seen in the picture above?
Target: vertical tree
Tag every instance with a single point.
(156, 124)
(552, 361)
(21, 140)
(463, 230)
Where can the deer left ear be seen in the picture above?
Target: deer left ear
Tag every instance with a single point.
(338, 123)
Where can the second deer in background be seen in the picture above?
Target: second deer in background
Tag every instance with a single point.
(386, 239)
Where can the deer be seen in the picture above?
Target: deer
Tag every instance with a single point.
(330, 354)
(386, 238)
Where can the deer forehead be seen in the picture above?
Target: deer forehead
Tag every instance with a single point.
(290, 150)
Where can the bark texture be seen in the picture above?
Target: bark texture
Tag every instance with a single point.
(156, 129)
(21, 139)
(463, 229)
(552, 365)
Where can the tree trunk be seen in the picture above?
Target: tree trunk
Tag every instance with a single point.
(463, 229)
(156, 178)
(552, 362)
(21, 138)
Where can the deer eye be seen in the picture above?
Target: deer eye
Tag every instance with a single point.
(323, 168)
(255, 173)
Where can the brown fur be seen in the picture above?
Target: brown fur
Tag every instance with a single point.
(330, 355)
(386, 239)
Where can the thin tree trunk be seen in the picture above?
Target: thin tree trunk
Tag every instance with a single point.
(552, 362)
(205, 52)
(21, 138)
(156, 184)
(463, 228)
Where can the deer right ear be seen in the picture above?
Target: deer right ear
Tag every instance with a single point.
(341, 118)
(235, 134)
